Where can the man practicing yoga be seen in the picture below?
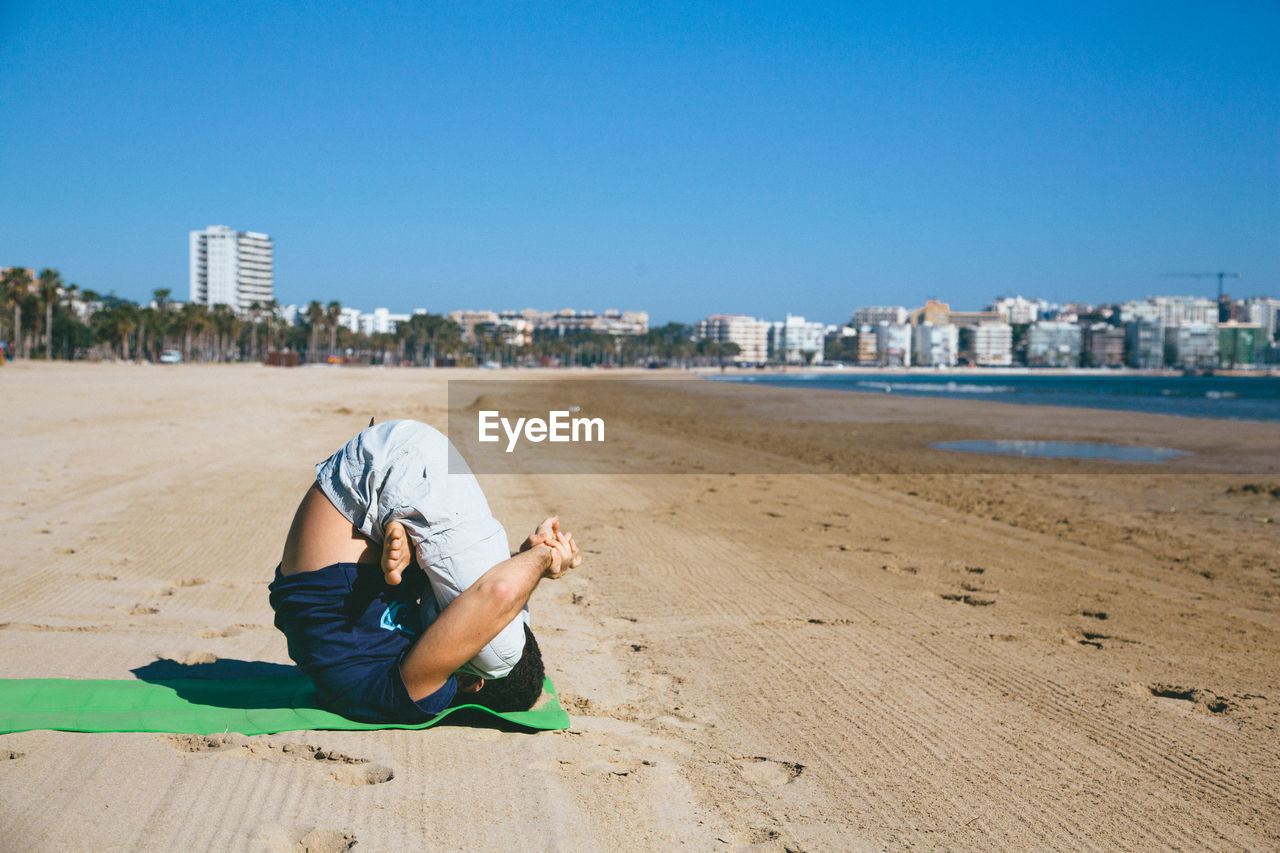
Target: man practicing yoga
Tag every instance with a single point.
(397, 592)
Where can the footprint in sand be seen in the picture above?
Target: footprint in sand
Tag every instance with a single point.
(1095, 638)
(759, 770)
(1092, 638)
(589, 708)
(1194, 698)
(965, 598)
(301, 839)
(74, 629)
(339, 767)
(214, 633)
(190, 658)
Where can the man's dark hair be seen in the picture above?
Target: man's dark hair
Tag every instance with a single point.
(520, 688)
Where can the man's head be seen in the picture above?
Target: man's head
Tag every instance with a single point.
(517, 691)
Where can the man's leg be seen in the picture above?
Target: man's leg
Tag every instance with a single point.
(401, 471)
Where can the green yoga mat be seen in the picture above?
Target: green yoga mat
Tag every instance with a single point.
(250, 706)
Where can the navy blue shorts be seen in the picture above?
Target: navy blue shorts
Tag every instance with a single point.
(348, 631)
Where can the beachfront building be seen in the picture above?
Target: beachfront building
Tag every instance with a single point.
(870, 315)
(470, 321)
(1017, 310)
(381, 322)
(522, 324)
(1239, 343)
(349, 318)
(1102, 345)
(1265, 311)
(515, 329)
(935, 346)
(229, 267)
(795, 341)
(840, 344)
(751, 335)
(933, 311)
(993, 344)
(1144, 343)
(893, 344)
(1191, 346)
(566, 320)
(1053, 344)
(866, 345)
(965, 319)
(1171, 310)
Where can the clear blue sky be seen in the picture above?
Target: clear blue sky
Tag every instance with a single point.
(685, 158)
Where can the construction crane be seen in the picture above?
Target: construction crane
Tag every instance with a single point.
(1218, 275)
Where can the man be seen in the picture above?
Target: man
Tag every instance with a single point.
(396, 590)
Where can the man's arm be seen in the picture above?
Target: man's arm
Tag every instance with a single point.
(477, 615)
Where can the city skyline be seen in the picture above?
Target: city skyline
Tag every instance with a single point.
(683, 161)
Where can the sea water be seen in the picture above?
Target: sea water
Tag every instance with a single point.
(1064, 450)
(1225, 397)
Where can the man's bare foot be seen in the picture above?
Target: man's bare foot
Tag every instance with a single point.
(396, 552)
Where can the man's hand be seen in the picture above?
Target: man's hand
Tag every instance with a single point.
(549, 533)
(564, 555)
(544, 531)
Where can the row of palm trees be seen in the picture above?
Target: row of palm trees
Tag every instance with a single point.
(21, 291)
(41, 316)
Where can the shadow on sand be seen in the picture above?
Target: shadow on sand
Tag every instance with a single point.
(243, 684)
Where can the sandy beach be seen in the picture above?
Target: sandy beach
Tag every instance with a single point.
(872, 647)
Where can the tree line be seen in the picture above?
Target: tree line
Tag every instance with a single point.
(43, 317)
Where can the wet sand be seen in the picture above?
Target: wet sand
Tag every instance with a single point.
(882, 648)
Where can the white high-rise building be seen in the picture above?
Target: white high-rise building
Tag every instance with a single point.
(869, 315)
(1192, 345)
(1053, 344)
(893, 344)
(796, 341)
(1018, 310)
(935, 346)
(993, 344)
(230, 267)
(751, 335)
(1265, 311)
(1171, 310)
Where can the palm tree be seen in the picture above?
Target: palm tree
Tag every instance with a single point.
(5, 298)
(116, 325)
(191, 319)
(70, 294)
(315, 317)
(148, 329)
(332, 314)
(48, 288)
(271, 309)
(161, 297)
(17, 282)
(225, 324)
(255, 316)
